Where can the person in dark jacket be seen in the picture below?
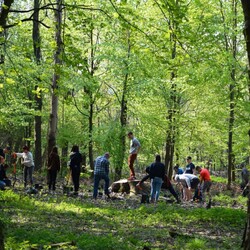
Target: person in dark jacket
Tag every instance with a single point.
(157, 174)
(190, 166)
(165, 185)
(53, 168)
(3, 177)
(75, 167)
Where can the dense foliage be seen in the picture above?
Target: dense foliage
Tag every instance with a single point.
(171, 61)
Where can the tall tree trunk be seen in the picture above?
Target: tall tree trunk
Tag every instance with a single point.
(64, 154)
(38, 97)
(170, 138)
(56, 77)
(123, 115)
(5, 8)
(89, 91)
(231, 167)
(246, 11)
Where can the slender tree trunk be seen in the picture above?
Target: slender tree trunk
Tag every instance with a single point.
(170, 138)
(56, 77)
(246, 11)
(64, 154)
(38, 97)
(123, 116)
(5, 8)
(91, 103)
(231, 167)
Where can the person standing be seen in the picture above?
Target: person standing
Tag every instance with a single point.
(101, 171)
(190, 166)
(75, 167)
(28, 163)
(3, 176)
(165, 185)
(157, 175)
(53, 168)
(4, 151)
(205, 182)
(133, 152)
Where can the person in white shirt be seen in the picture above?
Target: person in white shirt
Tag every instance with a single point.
(28, 163)
(189, 182)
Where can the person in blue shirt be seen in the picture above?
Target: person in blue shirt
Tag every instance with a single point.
(178, 170)
(101, 171)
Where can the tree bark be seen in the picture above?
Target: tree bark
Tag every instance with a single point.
(123, 115)
(246, 11)
(38, 98)
(170, 138)
(56, 77)
(3, 20)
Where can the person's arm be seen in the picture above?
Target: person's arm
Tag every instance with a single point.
(18, 155)
(144, 178)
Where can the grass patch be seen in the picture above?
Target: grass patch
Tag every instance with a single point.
(43, 220)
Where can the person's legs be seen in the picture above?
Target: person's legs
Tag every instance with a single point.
(205, 188)
(97, 179)
(152, 192)
(131, 160)
(172, 191)
(75, 178)
(30, 173)
(2, 185)
(49, 179)
(53, 179)
(25, 174)
(106, 187)
(158, 183)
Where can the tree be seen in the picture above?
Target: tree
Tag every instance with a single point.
(56, 77)
(246, 11)
(38, 98)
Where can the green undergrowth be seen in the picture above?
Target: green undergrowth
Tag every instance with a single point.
(36, 222)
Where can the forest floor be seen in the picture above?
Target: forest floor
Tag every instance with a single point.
(43, 220)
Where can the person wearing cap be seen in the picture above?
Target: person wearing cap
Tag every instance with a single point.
(28, 163)
(190, 166)
(133, 152)
(101, 171)
(189, 182)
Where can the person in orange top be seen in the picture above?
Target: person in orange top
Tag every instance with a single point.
(205, 182)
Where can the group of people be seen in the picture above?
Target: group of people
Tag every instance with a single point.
(156, 172)
(188, 180)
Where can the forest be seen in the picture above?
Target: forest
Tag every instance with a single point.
(174, 72)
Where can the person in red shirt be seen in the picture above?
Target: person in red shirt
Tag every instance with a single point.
(205, 182)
